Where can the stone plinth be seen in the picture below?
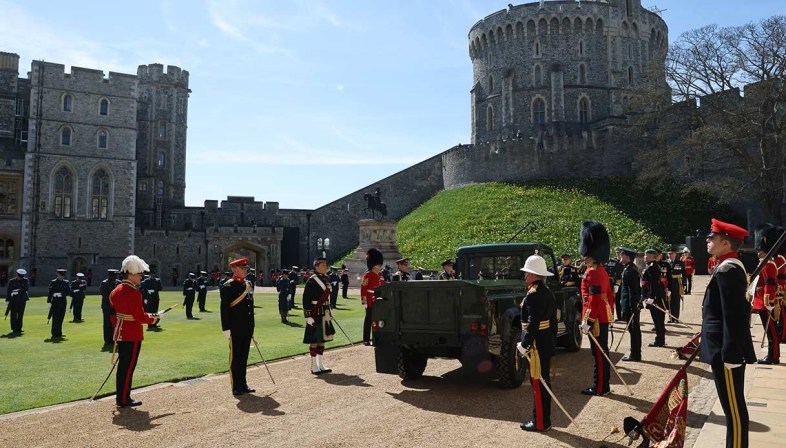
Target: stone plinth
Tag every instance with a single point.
(373, 233)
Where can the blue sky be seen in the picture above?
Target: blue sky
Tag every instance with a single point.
(299, 101)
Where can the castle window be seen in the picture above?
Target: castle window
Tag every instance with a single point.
(630, 75)
(103, 139)
(160, 189)
(64, 190)
(65, 136)
(584, 110)
(9, 199)
(490, 118)
(538, 75)
(162, 130)
(538, 111)
(103, 107)
(162, 160)
(142, 186)
(537, 49)
(68, 102)
(99, 202)
(582, 74)
(628, 7)
(491, 84)
(581, 48)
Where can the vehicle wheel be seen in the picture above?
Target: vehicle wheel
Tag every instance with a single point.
(571, 340)
(511, 366)
(411, 364)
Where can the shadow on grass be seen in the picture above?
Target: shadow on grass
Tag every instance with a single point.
(136, 420)
(292, 324)
(56, 340)
(254, 404)
(11, 335)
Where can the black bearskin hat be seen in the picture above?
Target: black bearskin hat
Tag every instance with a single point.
(373, 258)
(765, 237)
(594, 241)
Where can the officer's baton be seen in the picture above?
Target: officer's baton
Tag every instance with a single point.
(333, 318)
(105, 379)
(597, 344)
(624, 331)
(548, 389)
(263, 359)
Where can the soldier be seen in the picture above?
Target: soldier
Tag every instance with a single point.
(16, 300)
(344, 280)
(127, 316)
(237, 323)
(56, 300)
(765, 302)
(690, 269)
(568, 274)
(316, 309)
(653, 293)
(107, 285)
(371, 280)
(386, 274)
(614, 269)
(282, 286)
(725, 336)
(598, 310)
(151, 287)
(630, 301)
(334, 279)
(539, 311)
(447, 271)
(665, 278)
(202, 290)
(78, 287)
(189, 291)
(402, 274)
(292, 288)
(675, 286)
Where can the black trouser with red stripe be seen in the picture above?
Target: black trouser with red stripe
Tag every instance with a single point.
(128, 353)
(238, 359)
(601, 375)
(773, 339)
(541, 400)
(730, 384)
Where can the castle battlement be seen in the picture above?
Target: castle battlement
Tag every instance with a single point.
(154, 73)
(83, 79)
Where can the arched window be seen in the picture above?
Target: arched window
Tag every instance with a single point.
(99, 201)
(64, 191)
(490, 118)
(537, 49)
(582, 74)
(68, 102)
(103, 139)
(162, 160)
(538, 111)
(537, 75)
(162, 130)
(491, 84)
(65, 136)
(103, 107)
(584, 110)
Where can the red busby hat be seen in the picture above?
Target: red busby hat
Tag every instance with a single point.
(594, 241)
(319, 260)
(239, 263)
(723, 228)
(765, 237)
(374, 258)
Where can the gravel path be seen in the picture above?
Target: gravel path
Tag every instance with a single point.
(355, 406)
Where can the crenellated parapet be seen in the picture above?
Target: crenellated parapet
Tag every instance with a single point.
(154, 73)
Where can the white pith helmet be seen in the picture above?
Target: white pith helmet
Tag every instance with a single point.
(535, 264)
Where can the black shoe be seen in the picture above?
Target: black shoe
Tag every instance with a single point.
(247, 390)
(366, 343)
(631, 358)
(593, 391)
(237, 392)
(530, 426)
(131, 404)
(656, 344)
(768, 360)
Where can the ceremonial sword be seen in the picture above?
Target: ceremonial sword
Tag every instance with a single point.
(263, 359)
(548, 389)
(609, 360)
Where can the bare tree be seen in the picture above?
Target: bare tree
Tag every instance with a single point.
(712, 137)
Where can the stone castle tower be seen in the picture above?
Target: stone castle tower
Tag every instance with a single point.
(557, 65)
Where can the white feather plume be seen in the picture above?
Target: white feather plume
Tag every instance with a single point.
(134, 265)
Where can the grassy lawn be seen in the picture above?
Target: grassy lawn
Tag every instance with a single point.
(34, 373)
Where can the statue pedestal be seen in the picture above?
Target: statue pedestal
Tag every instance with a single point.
(373, 233)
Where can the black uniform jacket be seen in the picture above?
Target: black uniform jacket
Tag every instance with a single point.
(240, 317)
(725, 335)
(651, 287)
(539, 318)
(630, 292)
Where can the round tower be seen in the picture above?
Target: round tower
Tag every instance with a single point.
(560, 64)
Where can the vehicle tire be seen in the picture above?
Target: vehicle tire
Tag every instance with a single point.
(511, 366)
(411, 364)
(571, 340)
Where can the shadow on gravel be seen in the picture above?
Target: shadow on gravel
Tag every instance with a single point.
(340, 379)
(574, 440)
(692, 369)
(254, 404)
(136, 420)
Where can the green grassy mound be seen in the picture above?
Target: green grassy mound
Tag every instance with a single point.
(494, 212)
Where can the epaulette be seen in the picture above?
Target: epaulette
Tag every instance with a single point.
(228, 282)
(532, 289)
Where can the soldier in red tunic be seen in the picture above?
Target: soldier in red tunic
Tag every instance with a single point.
(598, 300)
(765, 302)
(780, 260)
(128, 316)
(690, 269)
(371, 280)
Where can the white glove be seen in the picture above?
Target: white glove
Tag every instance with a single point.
(310, 321)
(668, 294)
(649, 301)
(616, 288)
(49, 305)
(289, 297)
(227, 333)
(769, 307)
(145, 301)
(521, 349)
(585, 327)
(731, 366)
(365, 305)
(160, 316)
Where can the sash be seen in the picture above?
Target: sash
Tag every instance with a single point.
(240, 298)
